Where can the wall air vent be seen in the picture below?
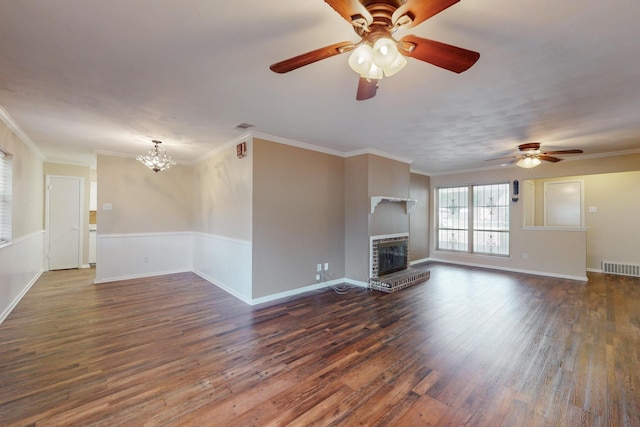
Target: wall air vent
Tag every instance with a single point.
(243, 126)
(620, 269)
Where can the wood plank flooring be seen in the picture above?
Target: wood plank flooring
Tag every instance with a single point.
(469, 347)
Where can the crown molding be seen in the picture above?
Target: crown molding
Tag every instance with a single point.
(311, 147)
(378, 153)
(298, 144)
(16, 129)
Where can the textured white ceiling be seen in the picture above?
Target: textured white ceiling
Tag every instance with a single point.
(85, 75)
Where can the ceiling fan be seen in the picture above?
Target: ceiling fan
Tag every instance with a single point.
(378, 54)
(530, 155)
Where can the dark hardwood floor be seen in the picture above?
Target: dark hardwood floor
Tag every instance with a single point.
(468, 347)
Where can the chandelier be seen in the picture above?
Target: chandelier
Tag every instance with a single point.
(157, 160)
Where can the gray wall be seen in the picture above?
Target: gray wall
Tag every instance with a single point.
(298, 216)
(419, 217)
(370, 175)
(357, 208)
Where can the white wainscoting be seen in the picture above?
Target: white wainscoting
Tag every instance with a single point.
(21, 263)
(225, 262)
(129, 256)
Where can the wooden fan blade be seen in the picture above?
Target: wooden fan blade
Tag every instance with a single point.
(564, 152)
(350, 8)
(311, 57)
(367, 88)
(502, 158)
(549, 158)
(442, 55)
(421, 10)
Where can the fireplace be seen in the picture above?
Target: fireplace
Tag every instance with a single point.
(389, 254)
(392, 257)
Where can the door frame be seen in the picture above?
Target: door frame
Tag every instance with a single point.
(46, 218)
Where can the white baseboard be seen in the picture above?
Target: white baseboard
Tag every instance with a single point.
(141, 276)
(515, 270)
(354, 283)
(419, 261)
(227, 289)
(293, 292)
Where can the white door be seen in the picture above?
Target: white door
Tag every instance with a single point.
(64, 221)
(563, 204)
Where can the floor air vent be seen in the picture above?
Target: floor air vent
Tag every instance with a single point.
(621, 269)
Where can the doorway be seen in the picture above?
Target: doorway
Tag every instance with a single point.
(64, 221)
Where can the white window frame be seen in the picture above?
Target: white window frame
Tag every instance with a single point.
(471, 229)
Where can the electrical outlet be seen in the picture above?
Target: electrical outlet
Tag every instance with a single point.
(326, 266)
(319, 267)
(525, 256)
(146, 258)
(317, 277)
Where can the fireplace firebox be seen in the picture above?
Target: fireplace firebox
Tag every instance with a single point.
(392, 257)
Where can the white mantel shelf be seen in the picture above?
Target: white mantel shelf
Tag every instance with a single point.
(375, 201)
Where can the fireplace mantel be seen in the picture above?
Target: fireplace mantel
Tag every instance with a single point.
(375, 201)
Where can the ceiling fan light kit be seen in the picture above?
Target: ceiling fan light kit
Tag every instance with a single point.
(530, 156)
(378, 54)
(528, 162)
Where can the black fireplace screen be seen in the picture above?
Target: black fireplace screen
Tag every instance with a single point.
(392, 257)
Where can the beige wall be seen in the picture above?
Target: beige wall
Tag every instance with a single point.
(521, 243)
(419, 217)
(298, 216)
(223, 194)
(617, 199)
(28, 187)
(143, 201)
(84, 173)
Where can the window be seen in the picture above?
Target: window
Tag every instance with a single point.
(481, 229)
(5, 197)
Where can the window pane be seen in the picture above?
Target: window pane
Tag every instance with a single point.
(491, 242)
(454, 207)
(453, 240)
(491, 219)
(453, 218)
